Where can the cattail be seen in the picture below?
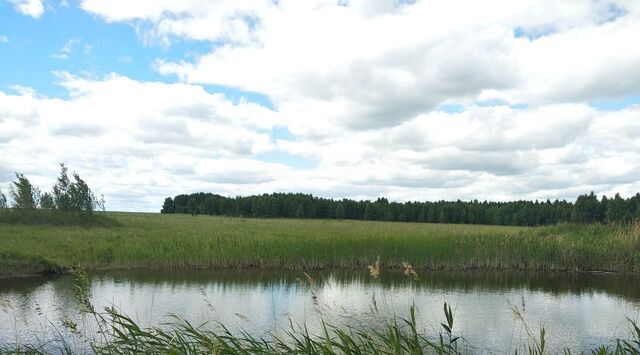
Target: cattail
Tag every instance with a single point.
(409, 271)
(374, 270)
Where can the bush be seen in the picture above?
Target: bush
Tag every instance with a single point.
(69, 203)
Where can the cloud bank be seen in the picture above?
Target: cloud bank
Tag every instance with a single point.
(411, 100)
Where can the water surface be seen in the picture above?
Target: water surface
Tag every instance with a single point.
(578, 310)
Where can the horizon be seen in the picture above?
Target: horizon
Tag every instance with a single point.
(407, 100)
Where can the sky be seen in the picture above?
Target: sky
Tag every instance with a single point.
(410, 100)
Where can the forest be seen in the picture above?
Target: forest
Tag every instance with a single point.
(587, 208)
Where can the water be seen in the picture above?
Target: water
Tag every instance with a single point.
(578, 310)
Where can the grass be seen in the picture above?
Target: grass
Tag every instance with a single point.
(54, 217)
(142, 240)
(119, 334)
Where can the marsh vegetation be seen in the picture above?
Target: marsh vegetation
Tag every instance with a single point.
(184, 242)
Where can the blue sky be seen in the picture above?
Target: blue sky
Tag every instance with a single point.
(68, 39)
(31, 55)
(408, 100)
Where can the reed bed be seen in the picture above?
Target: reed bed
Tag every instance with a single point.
(143, 240)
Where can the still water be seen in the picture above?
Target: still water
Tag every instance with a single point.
(578, 310)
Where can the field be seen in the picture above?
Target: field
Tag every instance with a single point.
(183, 241)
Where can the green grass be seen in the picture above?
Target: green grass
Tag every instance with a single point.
(54, 217)
(182, 241)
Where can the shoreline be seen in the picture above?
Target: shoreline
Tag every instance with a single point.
(68, 271)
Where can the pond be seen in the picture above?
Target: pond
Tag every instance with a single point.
(578, 310)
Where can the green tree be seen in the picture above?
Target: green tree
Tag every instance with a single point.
(431, 214)
(209, 206)
(61, 194)
(368, 214)
(46, 202)
(587, 209)
(23, 194)
(422, 217)
(82, 200)
(192, 206)
(340, 210)
(168, 206)
(3, 200)
(617, 211)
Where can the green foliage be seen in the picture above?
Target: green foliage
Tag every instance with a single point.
(3, 200)
(209, 206)
(68, 203)
(617, 210)
(54, 217)
(46, 202)
(61, 193)
(586, 210)
(192, 207)
(73, 196)
(23, 194)
(182, 241)
(168, 206)
(80, 196)
(340, 210)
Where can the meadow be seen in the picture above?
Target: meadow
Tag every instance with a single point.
(144, 240)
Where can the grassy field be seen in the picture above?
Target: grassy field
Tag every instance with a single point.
(182, 241)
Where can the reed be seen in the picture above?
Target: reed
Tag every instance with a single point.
(117, 333)
(141, 240)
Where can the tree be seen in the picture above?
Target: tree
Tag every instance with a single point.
(587, 209)
(209, 206)
(46, 202)
(23, 194)
(101, 204)
(168, 206)
(3, 200)
(617, 211)
(192, 206)
(422, 217)
(61, 195)
(82, 200)
(368, 215)
(340, 210)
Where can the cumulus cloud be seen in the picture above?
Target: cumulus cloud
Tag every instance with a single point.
(364, 65)
(160, 20)
(137, 142)
(361, 87)
(33, 8)
(129, 135)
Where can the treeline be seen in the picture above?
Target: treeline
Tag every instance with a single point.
(68, 202)
(587, 209)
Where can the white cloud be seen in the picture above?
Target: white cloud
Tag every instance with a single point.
(66, 50)
(4, 39)
(138, 142)
(126, 135)
(33, 8)
(359, 86)
(370, 65)
(159, 20)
